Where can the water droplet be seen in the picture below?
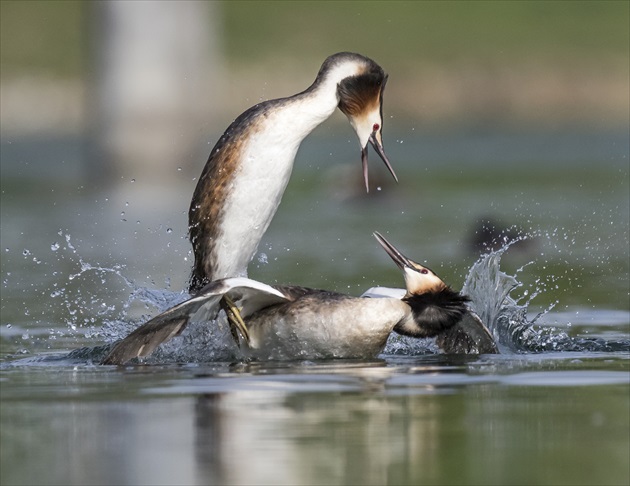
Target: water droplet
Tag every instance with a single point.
(26, 252)
(54, 246)
(169, 230)
(133, 180)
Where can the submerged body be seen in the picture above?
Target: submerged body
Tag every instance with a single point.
(288, 322)
(247, 171)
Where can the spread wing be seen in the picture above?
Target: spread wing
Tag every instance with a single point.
(248, 294)
(468, 336)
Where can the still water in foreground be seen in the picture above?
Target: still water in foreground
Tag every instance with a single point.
(82, 267)
(528, 419)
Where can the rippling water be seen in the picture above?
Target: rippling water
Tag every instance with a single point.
(81, 267)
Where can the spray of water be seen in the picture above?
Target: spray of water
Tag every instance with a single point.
(492, 298)
(491, 291)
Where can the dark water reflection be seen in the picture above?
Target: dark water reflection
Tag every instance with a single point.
(427, 420)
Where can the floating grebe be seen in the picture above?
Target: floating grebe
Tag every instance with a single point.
(244, 179)
(289, 322)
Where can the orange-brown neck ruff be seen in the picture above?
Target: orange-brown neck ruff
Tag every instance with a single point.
(361, 94)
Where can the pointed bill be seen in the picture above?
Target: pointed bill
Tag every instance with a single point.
(399, 259)
(378, 147)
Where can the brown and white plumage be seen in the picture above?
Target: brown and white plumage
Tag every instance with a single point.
(248, 169)
(288, 322)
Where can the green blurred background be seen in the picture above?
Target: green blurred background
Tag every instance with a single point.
(450, 62)
(50, 36)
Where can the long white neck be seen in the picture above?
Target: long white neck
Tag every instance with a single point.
(312, 107)
(238, 197)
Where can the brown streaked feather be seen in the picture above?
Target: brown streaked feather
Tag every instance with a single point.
(208, 201)
(144, 340)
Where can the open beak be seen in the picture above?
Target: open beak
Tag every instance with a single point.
(378, 146)
(399, 259)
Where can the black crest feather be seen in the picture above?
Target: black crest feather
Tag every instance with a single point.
(434, 312)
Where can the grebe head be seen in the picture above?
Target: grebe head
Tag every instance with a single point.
(435, 307)
(360, 95)
(418, 278)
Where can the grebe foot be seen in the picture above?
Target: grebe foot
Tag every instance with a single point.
(235, 320)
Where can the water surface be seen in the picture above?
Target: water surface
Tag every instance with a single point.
(83, 265)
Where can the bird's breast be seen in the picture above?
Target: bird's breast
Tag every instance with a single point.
(244, 180)
(251, 200)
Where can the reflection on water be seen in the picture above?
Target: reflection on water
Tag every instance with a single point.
(433, 420)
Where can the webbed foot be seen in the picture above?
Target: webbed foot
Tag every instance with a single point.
(237, 325)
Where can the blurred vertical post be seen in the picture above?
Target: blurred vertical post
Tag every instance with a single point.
(155, 70)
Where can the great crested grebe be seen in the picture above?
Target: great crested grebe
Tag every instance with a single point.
(244, 179)
(289, 322)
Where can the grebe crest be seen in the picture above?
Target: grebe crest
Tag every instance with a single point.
(435, 307)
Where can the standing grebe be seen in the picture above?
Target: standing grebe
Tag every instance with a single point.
(288, 322)
(242, 183)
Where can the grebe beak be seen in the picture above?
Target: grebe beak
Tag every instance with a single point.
(418, 278)
(399, 259)
(375, 141)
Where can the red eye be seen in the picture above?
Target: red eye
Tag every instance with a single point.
(375, 127)
(424, 271)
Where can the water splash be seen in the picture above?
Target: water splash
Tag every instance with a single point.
(491, 292)
(507, 318)
(489, 288)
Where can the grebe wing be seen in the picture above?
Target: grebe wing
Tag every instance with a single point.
(249, 294)
(468, 336)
